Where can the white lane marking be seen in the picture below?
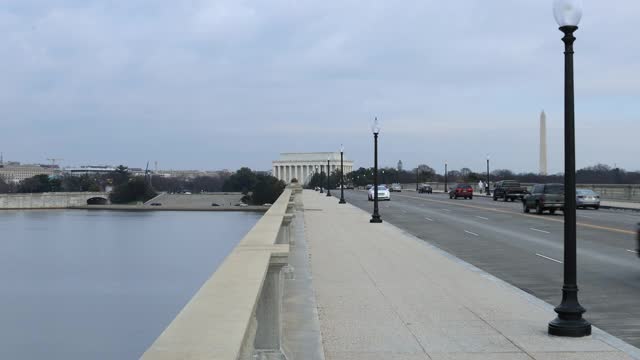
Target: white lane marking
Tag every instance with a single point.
(471, 233)
(632, 251)
(585, 216)
(428, 219)
(483, 218)
(404, 211)
(538, 230)
(446, 210)
(548, 258)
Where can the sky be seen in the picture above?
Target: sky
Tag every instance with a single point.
(214, 84)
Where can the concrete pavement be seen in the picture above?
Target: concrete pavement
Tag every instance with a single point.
(384, 294)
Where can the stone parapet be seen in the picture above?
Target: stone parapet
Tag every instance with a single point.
(237, 312)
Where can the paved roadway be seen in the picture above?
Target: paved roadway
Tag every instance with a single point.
(527, 250)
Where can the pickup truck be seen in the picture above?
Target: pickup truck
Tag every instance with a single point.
(509, 190)
(545, 197)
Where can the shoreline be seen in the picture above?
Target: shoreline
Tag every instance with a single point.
(150, 208)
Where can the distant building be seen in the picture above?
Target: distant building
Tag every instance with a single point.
(399, 165)
(189, 174)
(302, 166)
(13, 172)
(89, 170)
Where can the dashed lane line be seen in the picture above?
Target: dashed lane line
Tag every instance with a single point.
(591, 226)
(632, 251)
(428, 219)
(538, 230)
(482, 217)
(548, 258)
(471, 233)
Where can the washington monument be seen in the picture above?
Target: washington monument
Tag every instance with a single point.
(543, 144)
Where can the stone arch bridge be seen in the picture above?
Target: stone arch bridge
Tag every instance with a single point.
(58, 200)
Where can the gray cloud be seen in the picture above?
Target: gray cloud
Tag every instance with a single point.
(220, 84)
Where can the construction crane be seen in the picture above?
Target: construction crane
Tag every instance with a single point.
(53, 160)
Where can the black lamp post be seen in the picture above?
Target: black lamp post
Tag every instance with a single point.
(488, 187)
(569, 321)
(328, 176)
(417, 177)
(342, 176)
(445, 176)
(321, 179)
(375, 218)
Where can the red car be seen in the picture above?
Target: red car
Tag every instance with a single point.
(461, 191)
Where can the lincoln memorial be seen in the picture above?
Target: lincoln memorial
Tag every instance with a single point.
(302, 166)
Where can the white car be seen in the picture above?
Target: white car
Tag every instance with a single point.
(383, 193)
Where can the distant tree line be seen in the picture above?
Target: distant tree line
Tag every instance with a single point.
(258, 187)
(597, 174)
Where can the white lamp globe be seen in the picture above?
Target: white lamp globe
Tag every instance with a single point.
(567, 12)
(375, 127)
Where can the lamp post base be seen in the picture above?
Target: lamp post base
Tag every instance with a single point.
(342, 201)
(375, 219)
(569, 322)
(321, 191)
(569, 328)
(328, 192)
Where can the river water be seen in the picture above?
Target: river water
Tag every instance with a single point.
(80, 284)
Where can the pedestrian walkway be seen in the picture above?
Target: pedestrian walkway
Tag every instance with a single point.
(383, 294)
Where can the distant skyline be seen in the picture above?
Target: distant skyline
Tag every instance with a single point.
(206, 84)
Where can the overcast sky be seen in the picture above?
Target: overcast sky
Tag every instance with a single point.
(214, 84)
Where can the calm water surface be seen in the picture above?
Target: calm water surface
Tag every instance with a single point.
(102, 284)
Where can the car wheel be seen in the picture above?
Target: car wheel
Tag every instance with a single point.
(471, 198)
(495, 198)
(506, 198)
(552, 211)
(539, 209)
(456, 197)
(525, 208)
(597, 207)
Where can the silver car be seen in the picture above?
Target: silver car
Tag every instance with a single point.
(383, 193)
(587, 198)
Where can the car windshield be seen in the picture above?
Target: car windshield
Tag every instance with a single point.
(586, 192)
(382, 187)
(554, 189)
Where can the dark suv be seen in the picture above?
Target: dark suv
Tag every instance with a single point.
(544, 197)
(509, 190)
(461, 190)
(424, 188)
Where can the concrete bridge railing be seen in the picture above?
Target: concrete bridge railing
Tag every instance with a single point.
(236, 314)
(622, 192)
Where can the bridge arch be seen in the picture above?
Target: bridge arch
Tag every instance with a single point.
(98, 200)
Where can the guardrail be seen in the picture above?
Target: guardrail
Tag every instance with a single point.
(236, 314)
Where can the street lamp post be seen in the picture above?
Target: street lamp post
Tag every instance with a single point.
(488, 187)
(321, 179)
(375, 218)
(342, 175)
(417, 177)
(329, 176)
(569, 321)
(445, 176)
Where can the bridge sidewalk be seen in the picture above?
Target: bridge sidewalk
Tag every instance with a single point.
(384, 294)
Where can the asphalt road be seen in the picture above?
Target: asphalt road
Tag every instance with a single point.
(526, 250)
